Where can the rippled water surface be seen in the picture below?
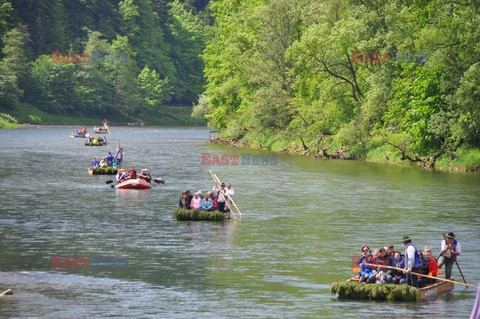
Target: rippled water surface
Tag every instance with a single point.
(302, 220)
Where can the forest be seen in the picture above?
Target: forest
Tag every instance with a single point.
(392, 80)
(396, 80)
(155, 48)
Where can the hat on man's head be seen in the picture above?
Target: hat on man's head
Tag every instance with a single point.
(450, 235)
(381, 249)
(406, 238)
(223, 184)
(391, 246)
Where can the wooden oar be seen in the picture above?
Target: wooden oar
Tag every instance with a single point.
(223, 196)
(456, 262)
(230, 197)
(416, 273)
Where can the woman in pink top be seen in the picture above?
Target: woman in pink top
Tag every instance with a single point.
(196, 202)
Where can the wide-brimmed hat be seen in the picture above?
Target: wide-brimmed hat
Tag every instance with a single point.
(406, 238)
(450, 235)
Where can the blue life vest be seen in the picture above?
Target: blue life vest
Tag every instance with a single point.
(417, 262)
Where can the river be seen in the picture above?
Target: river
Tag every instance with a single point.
(302, 220)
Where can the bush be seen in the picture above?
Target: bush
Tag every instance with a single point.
(193, 214)
(362, 291)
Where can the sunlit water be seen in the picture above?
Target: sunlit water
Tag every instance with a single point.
(302, 220)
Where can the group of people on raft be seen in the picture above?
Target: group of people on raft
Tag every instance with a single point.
(103, 128)
(80, 133)
(122, 175)
(109, 160)
(95, 139)
(217, 199)
(412, 260)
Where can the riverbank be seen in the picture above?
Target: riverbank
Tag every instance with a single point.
(463, 160)
(165, 116)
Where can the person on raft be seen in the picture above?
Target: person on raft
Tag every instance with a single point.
(221, 198)
(109, 159)
(121, 176)
(196, 202)
(95, 162)
(412, 262)
(132, 174)
(209, 202)
(398, 277)
(145, 175)
(366, 271)
(182, 203)
(103, 163)
(189, 198)
(119, 155)
(448, 254)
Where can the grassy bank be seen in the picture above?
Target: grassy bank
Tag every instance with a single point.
(166, 115)
(461, 161)
(8, 121)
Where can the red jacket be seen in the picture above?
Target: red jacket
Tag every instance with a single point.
(433, 267)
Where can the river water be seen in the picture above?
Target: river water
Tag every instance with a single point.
(302, 220)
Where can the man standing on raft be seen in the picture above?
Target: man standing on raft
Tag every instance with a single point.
(412, 262)
(448, 254)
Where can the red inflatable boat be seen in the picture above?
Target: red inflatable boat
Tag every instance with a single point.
(134, 184)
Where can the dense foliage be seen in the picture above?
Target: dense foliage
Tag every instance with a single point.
(196, 215)
(362, 291)
(153, 56)
(281, 71)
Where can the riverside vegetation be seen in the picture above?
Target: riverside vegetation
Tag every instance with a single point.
(280, 76)
(158, 84)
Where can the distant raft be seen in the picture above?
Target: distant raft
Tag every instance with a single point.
(362, 291)
(103, 171)
(193, 214)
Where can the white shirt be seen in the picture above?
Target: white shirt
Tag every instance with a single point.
(220, 198)
(447, 254)
(410, 257)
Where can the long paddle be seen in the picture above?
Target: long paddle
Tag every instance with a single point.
(456, 262)
(223, 196)
(230, 197)
(416, 273)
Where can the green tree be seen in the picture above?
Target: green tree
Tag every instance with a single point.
(153, 90)
(187, 38)
(13, 66)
